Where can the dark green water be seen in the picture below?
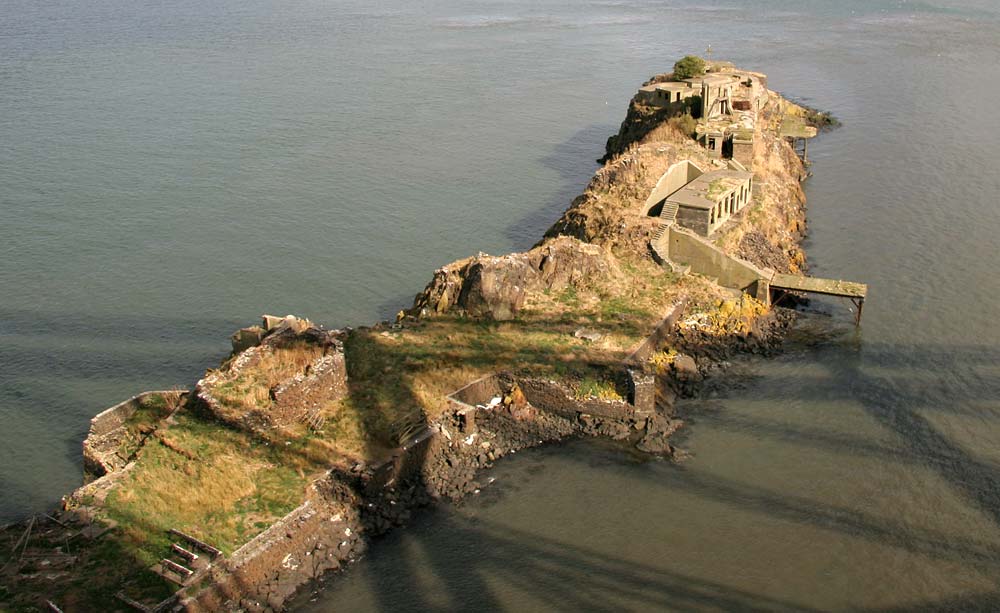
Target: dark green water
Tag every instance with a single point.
(169, 172)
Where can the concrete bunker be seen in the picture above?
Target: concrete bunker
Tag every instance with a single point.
(711, 199)
(676, 177)
(697, 200)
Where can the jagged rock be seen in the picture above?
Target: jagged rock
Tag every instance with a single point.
(245, 338)
(656, 443)
(497, 287)
(297, 324)
(686, 368)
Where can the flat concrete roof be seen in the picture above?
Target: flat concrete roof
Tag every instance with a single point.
(707, 190)
(667, 86)
(719, 79)
(796, 127)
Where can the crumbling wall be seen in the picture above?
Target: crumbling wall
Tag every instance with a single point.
(103, 447)
(299, 397)
(557, 398)
(320, 535)
(655, 340)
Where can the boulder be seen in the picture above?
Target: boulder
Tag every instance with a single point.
(245, 338)
(498, 287)
(686, 368)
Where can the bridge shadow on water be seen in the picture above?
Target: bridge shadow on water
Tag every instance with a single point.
(552, 574)
(465, 563)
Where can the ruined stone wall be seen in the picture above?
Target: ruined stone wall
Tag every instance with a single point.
(655, 341)
(482, 390)
(320, 535)
(557, 398)
(107, 430)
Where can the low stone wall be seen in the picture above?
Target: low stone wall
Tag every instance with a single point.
(557, 398)
(299, 399)
(481, 391)
(320, 535)
(654, 341)
(107, 431)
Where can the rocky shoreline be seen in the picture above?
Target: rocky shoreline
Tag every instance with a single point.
(376, 423)
(447, 470)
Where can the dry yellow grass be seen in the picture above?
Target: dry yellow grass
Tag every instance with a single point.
(250, 388)
(216, 483)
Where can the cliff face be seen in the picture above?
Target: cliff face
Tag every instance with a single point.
(499, 287)
(609, 215)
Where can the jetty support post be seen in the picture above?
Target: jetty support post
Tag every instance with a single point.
(859, 304)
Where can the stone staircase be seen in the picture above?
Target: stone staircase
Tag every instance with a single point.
(669, 213)
(314, 419)
(659, 245)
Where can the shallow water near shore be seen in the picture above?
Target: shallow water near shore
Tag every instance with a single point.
(168, 173)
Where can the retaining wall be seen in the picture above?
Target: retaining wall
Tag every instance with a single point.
(676, 177)
(317, 536)
(706, 259)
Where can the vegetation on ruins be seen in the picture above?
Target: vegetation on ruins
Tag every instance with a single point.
(685, 124)
(689, 66)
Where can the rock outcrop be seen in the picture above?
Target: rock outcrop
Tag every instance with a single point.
(498, 287)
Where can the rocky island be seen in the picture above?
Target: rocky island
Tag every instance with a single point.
(282, 463)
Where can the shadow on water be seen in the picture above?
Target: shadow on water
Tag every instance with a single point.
(570, 160)
(479, 565)
(893, 407)
(560, 576)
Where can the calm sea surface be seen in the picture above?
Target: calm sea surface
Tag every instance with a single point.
(170, 171)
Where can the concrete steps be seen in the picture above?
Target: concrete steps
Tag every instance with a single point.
(669, 212)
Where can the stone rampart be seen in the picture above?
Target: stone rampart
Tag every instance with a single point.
(320, 535)
(102, 447)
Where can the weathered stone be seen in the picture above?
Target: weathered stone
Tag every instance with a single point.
(685, 367)
(245, 338)
(588, 335)
(657, 443)
(497, 287)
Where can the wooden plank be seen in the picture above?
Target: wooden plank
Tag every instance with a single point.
(199, 544)
(816, 285)
(190, 556)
